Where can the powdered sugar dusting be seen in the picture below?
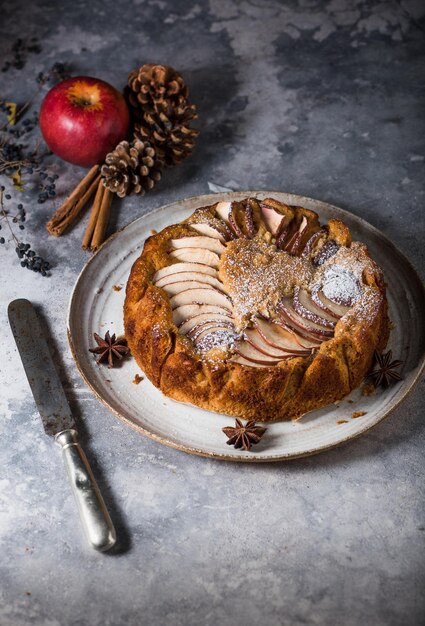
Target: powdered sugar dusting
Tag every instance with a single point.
(366, 309)
(257, 276)
(341, 286)
(218, 338)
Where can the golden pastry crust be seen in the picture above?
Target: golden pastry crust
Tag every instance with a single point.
(216, 376)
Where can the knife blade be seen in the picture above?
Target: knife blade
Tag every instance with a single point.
(58, 422)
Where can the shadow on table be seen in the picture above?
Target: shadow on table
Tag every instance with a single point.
(403, 425)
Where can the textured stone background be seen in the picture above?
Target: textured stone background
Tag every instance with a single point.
(324, 99)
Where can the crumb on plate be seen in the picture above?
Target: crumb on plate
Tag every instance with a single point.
(368, 389)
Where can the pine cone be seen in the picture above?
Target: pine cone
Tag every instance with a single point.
(158, 97)
(155, 87)
(173, 139)
(131, 168)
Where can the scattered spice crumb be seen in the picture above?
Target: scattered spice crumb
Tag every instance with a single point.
(108, 380)
(358, 414)
(350, 401)
(368, 389)
(117, 287)
(342, 421)
(153, 231)
(28, 593)
(137, 379)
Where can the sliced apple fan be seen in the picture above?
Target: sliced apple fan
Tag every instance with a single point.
(203, 311)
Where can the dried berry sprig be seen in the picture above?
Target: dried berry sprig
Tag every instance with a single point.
(18, 159)
(29, 259)
(241, 436)
(110, 349)
(21, 156)
(383, 371)
(12, 158)
(20, 51)
(56, 73)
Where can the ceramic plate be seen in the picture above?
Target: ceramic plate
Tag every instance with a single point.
(97, 302)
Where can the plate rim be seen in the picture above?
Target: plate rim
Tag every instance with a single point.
(252, 457)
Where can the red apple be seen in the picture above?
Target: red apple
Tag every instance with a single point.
(82, 119)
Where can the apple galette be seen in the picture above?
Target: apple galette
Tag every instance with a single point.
(254, 309)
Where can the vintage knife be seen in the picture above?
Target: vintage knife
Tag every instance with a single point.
(58, 422)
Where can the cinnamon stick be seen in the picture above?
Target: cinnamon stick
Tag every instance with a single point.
(94, 215)
(102, 220)
(70, 209)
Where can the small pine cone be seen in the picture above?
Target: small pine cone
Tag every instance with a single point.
(171, 147)
(131, 168)
(155, 87)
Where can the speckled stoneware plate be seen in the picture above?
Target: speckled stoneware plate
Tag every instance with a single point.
(97, 302)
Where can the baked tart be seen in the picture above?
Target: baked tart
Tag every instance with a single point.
(254, 309)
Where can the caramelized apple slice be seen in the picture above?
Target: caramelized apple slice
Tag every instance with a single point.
(282, 234)
(299, 324)
(204, 295)
(196, 255)
(202, 318)
(271, 218)
(304, 339)
(237, 358)
(180, 277)
(293, 245)
(186, 312)
(182, 285)
(255, 339)
(209, 231)
(253, 355)
(183, 267)
(331, 308)
(211, 326)
(313, 239)
(206, 243)
(223, 209)
(304, 306)
(249, 218)
(327, 251)
(237, 219)
(282, 338)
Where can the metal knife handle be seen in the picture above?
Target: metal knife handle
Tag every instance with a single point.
(93, 512)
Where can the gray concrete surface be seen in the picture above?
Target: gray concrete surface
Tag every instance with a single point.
(324, 99)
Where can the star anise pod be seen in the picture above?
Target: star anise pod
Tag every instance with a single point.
(241, 436)
(109, 348)
(384, 369)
